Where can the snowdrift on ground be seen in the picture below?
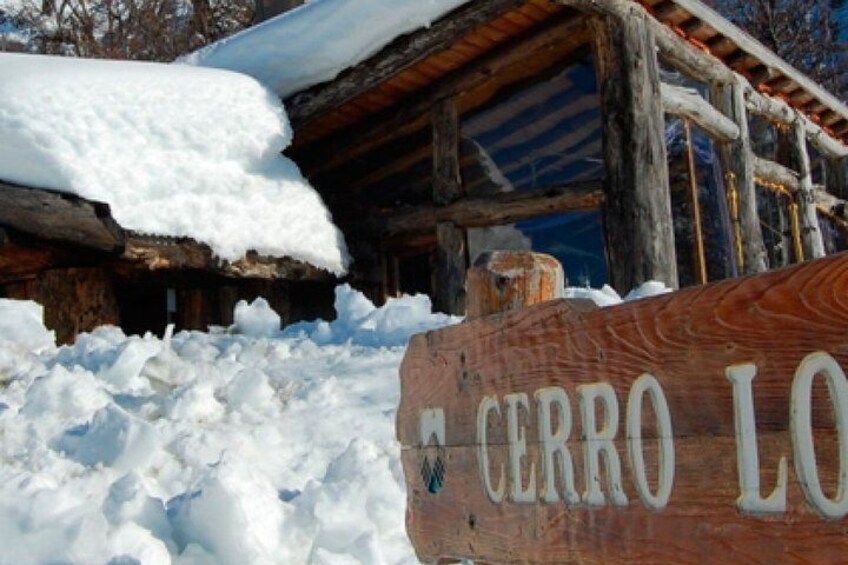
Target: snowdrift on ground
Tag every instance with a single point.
(315, 42)
(225, 447)
(175, 150)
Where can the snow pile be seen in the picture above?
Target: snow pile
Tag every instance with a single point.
(359, 322)
(315, 42)
(216, 447)
(174, 150)
(607, 296)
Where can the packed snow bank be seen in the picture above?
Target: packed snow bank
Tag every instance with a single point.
(315, 42)
(174, 150)
(255, 445)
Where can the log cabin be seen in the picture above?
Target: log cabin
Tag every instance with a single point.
(633, 140)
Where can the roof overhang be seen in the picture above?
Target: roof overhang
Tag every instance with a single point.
(418, 61)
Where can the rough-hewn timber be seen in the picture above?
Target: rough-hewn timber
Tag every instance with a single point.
(637, 206)
(451, 265)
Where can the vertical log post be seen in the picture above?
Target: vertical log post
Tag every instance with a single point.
(738, 164)
(637, 208)
(811, 234)
(451, 253)
(501, 281)
(451, 264)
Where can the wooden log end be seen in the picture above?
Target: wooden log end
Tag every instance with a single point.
(501, 281)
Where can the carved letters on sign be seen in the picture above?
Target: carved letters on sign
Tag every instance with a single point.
(556, 460)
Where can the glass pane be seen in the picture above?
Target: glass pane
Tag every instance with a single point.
(575, 239)
(712, 200)
(545, 133)
(776, 223)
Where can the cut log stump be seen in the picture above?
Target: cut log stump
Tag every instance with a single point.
(501, 281)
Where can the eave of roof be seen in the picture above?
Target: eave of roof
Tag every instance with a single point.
(423, 58)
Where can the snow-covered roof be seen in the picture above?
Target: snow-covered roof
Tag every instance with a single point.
(318, 40)
(174, 150)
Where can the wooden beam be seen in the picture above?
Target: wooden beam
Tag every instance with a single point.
(446, 180)
(503, 208)
(688, 103)
(811, 234)
(769, 172)
(400, 54)
(60, 217)
(738, 164)
(451, 267)
(687, 58)
(156, 254)
(637, 207)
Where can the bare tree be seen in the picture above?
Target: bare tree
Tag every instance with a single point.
(153, 30)
(803, 32)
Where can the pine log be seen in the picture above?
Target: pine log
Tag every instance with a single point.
(771, 172)
(637, 206)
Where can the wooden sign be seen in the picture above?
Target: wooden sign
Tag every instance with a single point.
(708, 425)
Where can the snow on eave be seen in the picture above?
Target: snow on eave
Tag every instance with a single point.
(315, 42)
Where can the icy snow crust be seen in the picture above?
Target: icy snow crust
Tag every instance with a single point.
(316, 41)
(175, 150)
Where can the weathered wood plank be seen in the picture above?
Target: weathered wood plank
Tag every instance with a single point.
(465, 386)
(55, 216)
(637, 207)
(400, 54)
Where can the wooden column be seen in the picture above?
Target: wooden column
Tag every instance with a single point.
(637, 207)
(451, 253)
(811, 235)
(446, 183)
(738, 164)
(451, 265)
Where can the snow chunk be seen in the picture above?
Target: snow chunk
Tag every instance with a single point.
(113, 438)
(235, 512)
(359, 321)
(256, 319)
(21, 324)
(647, 290)
(603, 297)
(315, 42)
(174, 150)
